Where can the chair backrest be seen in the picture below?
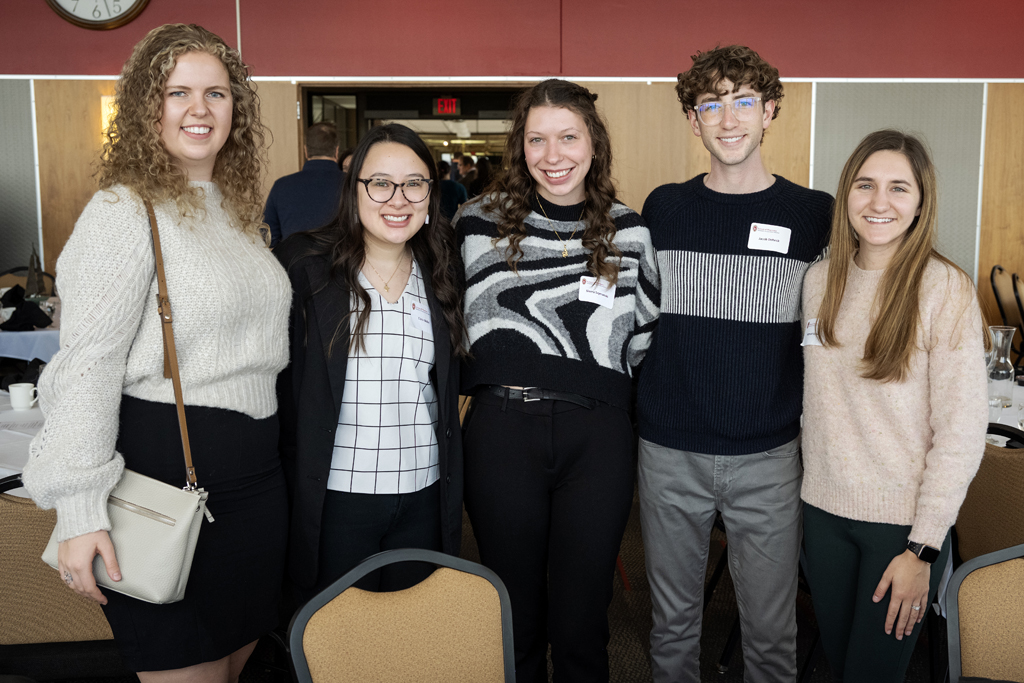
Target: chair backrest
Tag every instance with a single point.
(1002, 287)
(985, 606)
(19, 276)
(36, 606)
(456, 625)
(1018, 294)
(992, 515)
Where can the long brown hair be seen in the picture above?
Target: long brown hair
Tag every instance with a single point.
(133, 154)
(893, 336)
(513, 192)
(343, 242)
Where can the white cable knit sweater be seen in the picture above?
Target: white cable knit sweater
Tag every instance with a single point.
(230, 300)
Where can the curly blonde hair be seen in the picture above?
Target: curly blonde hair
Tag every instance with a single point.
(133, 154)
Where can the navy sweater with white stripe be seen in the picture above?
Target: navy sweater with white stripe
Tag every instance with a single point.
(724, 374)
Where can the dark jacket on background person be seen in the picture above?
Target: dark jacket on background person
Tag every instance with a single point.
(304, 200)
(467, 180)
(310, 392)
(453, 195)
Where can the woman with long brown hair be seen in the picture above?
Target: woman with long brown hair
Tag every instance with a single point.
(187, 138)
(369, 403)
(561, 299)
(894, 409)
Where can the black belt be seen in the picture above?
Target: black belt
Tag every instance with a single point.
(537, 394)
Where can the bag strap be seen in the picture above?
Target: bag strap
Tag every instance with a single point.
(163, 305)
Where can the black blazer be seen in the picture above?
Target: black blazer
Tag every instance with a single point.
(309, 395)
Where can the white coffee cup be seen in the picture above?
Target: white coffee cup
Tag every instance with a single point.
(23, 396)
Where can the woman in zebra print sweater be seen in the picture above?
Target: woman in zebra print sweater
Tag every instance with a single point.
(562, 296)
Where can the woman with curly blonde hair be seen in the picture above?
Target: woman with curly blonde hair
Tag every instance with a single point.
(561, 299)
(186, 138)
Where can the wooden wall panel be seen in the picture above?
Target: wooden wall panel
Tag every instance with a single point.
(277, 108)
(652, 143)
(1002, 212)
(70, 139)
(787, 145)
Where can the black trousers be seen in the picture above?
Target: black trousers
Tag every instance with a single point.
(549, 486)
(845, 561)
(358, 525)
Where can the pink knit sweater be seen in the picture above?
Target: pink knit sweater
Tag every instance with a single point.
(901, 453)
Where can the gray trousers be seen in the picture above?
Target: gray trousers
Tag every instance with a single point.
(759, 498)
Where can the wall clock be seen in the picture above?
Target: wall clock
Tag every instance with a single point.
(98, 14)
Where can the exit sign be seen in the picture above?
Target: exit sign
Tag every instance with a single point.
(447, 106)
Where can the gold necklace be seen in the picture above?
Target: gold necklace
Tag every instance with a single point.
(401, 261)
(565, 249)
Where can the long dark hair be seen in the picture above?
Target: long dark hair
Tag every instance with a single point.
(518, 186)
(342, 241)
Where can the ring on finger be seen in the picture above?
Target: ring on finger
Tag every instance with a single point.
(68, 578)
(916, 608)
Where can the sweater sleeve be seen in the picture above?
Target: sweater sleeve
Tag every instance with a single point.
(648, 300)
(271, 218)
(104, 277)
(958, 397)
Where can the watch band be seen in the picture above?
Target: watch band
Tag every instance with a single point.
(925, 552)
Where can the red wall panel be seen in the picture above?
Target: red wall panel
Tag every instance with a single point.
(37, 41)
(804, 38)
(417, 38)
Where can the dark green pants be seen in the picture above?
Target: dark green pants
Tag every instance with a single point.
(845, 562)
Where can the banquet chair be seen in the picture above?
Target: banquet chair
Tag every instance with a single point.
(985, 604)
(455, 625)
(1009, 307)
(47, 631)
(992, 517)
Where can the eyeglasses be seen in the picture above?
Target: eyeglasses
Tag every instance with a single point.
(381, 190)
(743, 108)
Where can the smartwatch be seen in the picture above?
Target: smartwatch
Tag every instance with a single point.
(925, 552)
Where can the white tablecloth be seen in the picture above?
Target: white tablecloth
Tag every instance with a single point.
(17, 427)
(41, 344)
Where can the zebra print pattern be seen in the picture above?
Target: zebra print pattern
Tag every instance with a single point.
(536, 312)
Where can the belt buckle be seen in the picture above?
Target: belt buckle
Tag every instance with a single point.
(526, 395)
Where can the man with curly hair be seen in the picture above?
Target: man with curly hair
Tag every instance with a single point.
(719, 400)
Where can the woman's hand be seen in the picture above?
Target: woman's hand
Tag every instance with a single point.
(74, 561)
(909, 576)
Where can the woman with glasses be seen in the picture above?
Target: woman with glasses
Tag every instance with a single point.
(894, 409)
(369, 403)
(561, 299)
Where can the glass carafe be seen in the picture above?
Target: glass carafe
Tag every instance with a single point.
(1000, 369)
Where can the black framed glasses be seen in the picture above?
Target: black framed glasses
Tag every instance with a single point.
(743, 108)
(381, 190)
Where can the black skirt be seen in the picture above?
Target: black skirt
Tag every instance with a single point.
(234, 586)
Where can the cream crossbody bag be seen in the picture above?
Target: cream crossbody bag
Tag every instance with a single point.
(154, 526)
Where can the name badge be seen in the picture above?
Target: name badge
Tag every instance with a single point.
(597, 291)
(811, 333)
(420, 314)
(769, 238)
